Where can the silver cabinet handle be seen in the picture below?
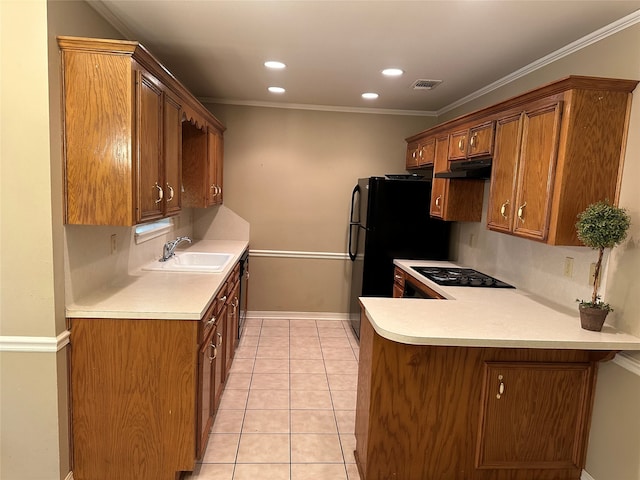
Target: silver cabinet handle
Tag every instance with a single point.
(219, 338)
(215, 352)
(212, 321)
(438, 200)
(160, 193)
(461, 144)
(223, 299)
(170, 188)
(503, 209)
(521, 211)
(398, 277)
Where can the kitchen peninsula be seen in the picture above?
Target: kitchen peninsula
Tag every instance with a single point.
(490, 384)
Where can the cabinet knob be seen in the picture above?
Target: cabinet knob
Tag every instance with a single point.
(170, 188)
(398, 277)
(521, 212)
(500, 387)
(503, 209)
(160, 193)
(212, 321)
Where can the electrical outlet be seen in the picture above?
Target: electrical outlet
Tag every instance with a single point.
(568, 267)
(114, 244)
(592, 274)
(472, 240)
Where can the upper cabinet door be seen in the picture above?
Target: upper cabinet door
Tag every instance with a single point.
(501, 210)
(458, 145)
(214, 166)
(151, 190)
(172, 154)
(480, 141)
(539, 151)
(98, 120)
(439, 185)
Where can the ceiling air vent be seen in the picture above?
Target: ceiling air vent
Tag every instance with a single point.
(422, 84)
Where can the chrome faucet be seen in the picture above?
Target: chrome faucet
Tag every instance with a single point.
(169, 247)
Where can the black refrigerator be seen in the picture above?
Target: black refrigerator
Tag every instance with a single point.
(389, 220)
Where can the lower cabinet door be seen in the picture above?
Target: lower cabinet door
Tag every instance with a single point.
(534, 415)
(206, 391)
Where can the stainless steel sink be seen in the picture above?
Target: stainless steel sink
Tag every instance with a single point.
(203, 262)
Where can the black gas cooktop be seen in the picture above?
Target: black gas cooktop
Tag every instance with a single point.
(460, 277)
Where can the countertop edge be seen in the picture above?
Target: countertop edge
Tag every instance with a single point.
(383, 316)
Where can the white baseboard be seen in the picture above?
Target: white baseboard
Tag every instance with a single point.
(274, 315)
(586, 476)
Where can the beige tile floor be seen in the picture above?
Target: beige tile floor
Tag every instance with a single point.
(288, 409)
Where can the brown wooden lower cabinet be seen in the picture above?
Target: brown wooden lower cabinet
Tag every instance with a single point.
(144, 393)
(472, 413)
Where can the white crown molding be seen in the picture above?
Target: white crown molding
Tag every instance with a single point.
(319, 108)
(34, 344)
(296, 254)
(273, 315)
(604, 32)
(627, 362)
(111, 18)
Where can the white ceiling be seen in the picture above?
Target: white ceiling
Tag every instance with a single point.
(335, 50)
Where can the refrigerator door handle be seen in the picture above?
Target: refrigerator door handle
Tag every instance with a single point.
(352, 223)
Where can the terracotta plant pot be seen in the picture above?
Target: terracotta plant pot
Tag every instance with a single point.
(592, 318)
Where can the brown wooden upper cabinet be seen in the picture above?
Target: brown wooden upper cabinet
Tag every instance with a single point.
(123, 114)
(421, 154)
(523, 170)
(202, 180)
(476, 141)
(555, 156)
(555, 150)
(453, 199)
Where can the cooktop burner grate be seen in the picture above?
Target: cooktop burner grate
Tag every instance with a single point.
(460, 277)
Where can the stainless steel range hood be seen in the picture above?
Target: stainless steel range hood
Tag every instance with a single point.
(477, 168)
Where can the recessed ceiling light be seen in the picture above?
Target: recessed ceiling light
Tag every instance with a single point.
(274, 64)
(370, 95)
(276, 89)
(392, 72)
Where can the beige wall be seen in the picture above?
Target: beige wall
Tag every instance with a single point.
(290, 173)
(33, 391)
(614, 451)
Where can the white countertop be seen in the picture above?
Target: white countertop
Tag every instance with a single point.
(160, 295)
(485, 317)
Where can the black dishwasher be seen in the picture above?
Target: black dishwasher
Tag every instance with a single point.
(244, 285)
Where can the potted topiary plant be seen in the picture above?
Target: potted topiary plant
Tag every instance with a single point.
(601, 225)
